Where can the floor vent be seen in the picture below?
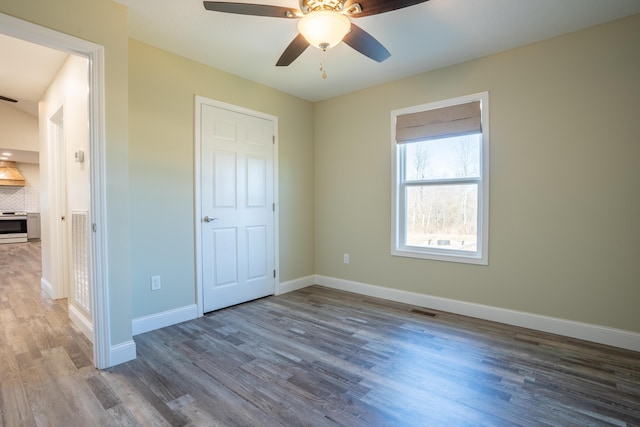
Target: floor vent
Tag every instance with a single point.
(424, 312)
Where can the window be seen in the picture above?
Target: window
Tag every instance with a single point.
(440, 185)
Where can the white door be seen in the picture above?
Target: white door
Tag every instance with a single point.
(60, 230)
(237, 206)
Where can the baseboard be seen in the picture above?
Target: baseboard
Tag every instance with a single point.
(78, 319)
(47, 287)
(152, 322)
(121, 353)
(294, 285)
(584, 331)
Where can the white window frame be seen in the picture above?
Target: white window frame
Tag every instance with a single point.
(398, 223)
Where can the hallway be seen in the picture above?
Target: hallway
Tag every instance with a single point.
(41, 352)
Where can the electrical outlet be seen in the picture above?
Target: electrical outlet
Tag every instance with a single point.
(346, 258)
(155, 283)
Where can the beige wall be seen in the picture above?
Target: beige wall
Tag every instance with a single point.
(564, 203)
(103, 22)
(564, 176)
(31, 173)
(162, 87)
(19, 129)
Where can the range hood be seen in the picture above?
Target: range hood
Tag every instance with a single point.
(9, 175)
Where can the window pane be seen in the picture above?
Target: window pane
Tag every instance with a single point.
(442, 216)
(457, 157)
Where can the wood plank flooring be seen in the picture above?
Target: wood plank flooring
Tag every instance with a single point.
(314, 357)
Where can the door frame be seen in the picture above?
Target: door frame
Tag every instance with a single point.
(34, 33)
(198, 102)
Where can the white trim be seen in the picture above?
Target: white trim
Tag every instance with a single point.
(143, 324)
(47, 287)
(121, 353)
(102, 350)
(81, 322)
(294, 285)
(197, 156)
(276, 200)
(198, 101)
(99, 262)
(569, 328)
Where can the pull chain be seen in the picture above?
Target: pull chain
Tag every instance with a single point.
(323, 67)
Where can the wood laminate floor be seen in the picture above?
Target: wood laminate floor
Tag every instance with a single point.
(314, 357)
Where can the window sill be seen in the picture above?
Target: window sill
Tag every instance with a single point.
(448, 256)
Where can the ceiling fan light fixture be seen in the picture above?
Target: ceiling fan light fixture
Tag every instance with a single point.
(324, 28)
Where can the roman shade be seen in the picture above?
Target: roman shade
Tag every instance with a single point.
(454, 120)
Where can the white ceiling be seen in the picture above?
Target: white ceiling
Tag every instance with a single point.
(423, 37)
(26, 71)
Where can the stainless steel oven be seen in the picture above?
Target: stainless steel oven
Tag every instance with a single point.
(13, 227)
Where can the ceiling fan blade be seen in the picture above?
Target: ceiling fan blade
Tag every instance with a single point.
(366, 44)
(291, 53)
(374, 7)
(252, 9)
(4, 98)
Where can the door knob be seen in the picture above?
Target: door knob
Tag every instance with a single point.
(209, 219)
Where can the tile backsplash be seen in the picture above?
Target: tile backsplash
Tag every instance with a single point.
(20, 199)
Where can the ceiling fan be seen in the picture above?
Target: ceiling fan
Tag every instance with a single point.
(323, 23)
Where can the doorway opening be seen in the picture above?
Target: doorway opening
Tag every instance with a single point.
(96, 253)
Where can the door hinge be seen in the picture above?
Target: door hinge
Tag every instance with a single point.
(274, 274)
(273, 139)
(274, 207)
(94, 228)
